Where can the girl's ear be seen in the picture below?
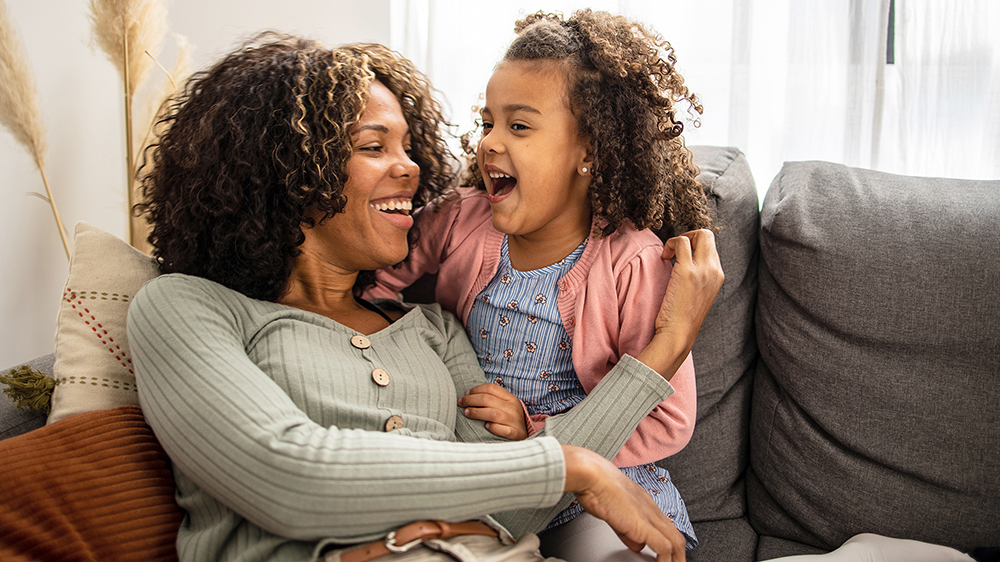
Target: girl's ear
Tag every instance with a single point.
(588, 161)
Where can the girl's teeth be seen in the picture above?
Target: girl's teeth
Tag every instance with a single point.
(497, 176)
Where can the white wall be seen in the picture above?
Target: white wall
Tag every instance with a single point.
(82, 107)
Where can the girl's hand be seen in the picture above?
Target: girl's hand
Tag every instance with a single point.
(607, 494)
(695, 280)
(501, 410)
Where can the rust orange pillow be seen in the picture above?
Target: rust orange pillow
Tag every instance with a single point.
(94, 487)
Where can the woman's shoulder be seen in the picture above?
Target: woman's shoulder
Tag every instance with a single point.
(180, 285)
(181, 293)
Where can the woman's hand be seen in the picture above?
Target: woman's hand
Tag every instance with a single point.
(695, 280)
(607, 494)
(501, 410)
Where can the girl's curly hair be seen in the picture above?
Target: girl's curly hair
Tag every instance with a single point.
(260, 138)
(623, 88)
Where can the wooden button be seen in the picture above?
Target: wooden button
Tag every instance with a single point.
(380, 377)
(361, 342)
(394, 423)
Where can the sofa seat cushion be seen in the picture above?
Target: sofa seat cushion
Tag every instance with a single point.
(731, 540)
(94, 487)
(875, 408)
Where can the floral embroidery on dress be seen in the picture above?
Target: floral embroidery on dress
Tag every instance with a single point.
(483, 333)
(504, 320)
(545, 374)
(530, 346)
(512, 305)
(540, 299)
(564, 345)
(532, 319)
(505, 279)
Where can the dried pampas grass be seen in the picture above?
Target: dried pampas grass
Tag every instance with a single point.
(154, 102)
(19, 111)
(125, 30)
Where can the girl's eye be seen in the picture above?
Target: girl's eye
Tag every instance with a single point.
(519, 127)
(486, 126)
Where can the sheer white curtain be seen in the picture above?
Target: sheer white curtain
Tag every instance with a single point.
(780, 79)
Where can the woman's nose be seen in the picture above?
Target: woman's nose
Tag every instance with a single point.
(406, 167)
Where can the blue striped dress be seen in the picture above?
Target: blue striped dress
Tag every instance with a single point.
(518, 335)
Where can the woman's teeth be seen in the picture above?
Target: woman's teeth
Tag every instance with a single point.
(497, 175)
(403, 206)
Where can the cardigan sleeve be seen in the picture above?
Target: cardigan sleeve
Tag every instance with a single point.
(668, 428)
(237, 436)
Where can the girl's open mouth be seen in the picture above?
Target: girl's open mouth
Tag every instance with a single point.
(501, 185)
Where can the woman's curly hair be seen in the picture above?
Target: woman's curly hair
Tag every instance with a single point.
(256, 141)
(623, 88)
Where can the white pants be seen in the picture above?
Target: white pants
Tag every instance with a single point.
(589, 539)
(876, 548)
(466, 548)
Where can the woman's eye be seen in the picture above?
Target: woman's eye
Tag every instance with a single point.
(373, 148)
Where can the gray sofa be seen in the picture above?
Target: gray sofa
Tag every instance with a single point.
(849, 371)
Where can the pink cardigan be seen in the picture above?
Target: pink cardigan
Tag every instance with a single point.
(608, 303)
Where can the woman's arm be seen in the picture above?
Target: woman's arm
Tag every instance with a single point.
(602, 422)
(241, 439)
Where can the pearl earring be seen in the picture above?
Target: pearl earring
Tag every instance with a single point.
(583, 170)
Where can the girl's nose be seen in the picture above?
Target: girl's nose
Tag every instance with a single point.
(490, 143)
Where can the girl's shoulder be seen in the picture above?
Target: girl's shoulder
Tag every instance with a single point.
(462, 208)
(629, 241)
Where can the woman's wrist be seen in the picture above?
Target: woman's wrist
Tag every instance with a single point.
(665, 353)
(580, 468)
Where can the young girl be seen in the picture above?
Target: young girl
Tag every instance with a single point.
(549, 260)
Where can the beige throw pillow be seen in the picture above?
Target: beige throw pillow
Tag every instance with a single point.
(93, 368)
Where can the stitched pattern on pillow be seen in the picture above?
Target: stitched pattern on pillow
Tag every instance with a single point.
(75, 300)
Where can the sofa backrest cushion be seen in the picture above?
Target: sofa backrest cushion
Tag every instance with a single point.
(709, 471)
(875, 407)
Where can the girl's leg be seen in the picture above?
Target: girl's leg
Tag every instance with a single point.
(588, 539)
(876, 548)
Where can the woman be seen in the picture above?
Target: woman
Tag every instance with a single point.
(303, 422)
